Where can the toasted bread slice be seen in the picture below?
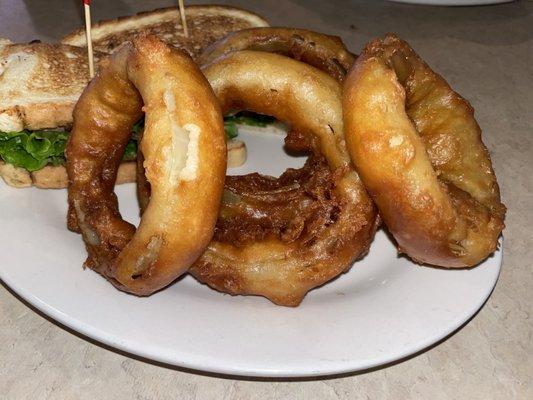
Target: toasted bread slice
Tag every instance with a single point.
(274, 128)
(55, 177)
(206, 24)
(39, 84)
(15, 176)
(236, 153)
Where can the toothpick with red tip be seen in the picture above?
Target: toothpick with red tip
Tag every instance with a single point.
(87, 7)
(183, 18)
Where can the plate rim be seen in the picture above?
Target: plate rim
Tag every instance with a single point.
(195, 366)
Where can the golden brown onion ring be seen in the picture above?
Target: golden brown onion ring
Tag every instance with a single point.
(322, 51)
(185, 160)
(418, 149)
(269, 240)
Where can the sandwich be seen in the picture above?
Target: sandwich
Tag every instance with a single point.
(40, 84)
(206, 24)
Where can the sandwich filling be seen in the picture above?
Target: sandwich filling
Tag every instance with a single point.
(34, 150)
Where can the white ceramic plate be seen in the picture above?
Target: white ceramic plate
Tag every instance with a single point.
(383, 309)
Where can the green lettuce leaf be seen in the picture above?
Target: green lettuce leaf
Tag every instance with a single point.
(249, 118)
(130, 152)
(137, 129)
(231, 129)
(32, 150)
(232, 121)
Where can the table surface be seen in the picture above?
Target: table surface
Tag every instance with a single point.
(486, 54)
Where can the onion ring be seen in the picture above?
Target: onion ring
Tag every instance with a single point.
(279, 238)
(322, 51)
(185, 161)
(418, 149)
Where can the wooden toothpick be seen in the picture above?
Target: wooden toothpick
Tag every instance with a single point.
(87, 7)
(183, 18)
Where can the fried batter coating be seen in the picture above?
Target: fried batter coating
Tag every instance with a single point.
(279, 238)
(185, 163)
(418, 149)
(322, 51)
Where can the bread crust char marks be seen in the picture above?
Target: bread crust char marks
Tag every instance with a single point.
(207, 23)
(40, 83)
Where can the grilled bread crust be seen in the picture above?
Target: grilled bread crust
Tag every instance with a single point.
(206, 24)
(39, 84)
